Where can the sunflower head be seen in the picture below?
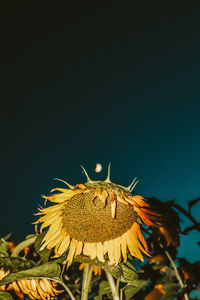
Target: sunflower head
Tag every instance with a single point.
(96, 218)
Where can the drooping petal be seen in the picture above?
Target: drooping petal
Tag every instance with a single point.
(71, 253)
(79, 248)
(63, 245)
(123, 243)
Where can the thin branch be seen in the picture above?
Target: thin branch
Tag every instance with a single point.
(67, 289)
(192, 203)
(190, 228)
(187, 214)
(176, 273)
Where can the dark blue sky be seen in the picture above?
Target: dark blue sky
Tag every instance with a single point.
(84, 84)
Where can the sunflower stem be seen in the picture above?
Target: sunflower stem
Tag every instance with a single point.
(112, 286)
(87, 276)
(23, 245)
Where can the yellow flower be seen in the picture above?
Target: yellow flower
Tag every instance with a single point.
(96, 218)
(41, 289)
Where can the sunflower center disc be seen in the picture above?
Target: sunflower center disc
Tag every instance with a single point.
(88, 221)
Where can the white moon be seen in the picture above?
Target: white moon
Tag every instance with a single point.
(98, 168)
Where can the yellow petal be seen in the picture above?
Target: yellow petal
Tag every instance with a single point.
(59, 198)
(71, 253)
(100, 250)
(16, 287)
(136, 229)
(87, 249)
(133, 245)
(50, 209)
(48, 285)
(23, 286)
(63, 245)
(54, 227)
(66, 191)
(33, 284)
(105, 247)
(42, 294)
(117, 250)
(48, 216)
(28, 284)
(120, 198)
(43, 287)
(50, 236)
(93, 250)
(124, 246)
(49, 221)
(79, 248)
(111, 252)
(56, 241)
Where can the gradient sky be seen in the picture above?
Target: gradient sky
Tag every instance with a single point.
(84, 84)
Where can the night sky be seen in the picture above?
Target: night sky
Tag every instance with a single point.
(86, 84)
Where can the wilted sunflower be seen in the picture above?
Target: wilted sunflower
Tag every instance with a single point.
(41, 289)
(96, 218)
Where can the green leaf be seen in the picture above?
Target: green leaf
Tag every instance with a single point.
(171, 291)
(129, 274)
(47, 270)
(131, 289)
(45, 253)
(104, 289)
(5, 296)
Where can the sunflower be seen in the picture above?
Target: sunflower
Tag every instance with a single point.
(96, 218)
(41, 289)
